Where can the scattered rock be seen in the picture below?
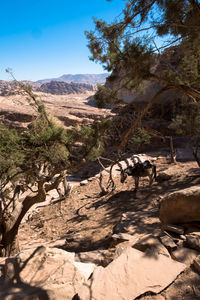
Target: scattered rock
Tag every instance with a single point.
(119, 249)
(182, 237)
(181, 206)
(84, 269)
(122, 237)
(84, 182)
(151, 244)
(131, 220)
(193, 230)
(58, 243)
(63, 88)
(173, 228)
(98, 257)
(193, 241)
(184, 255)
(153, 297)
(180, 243)
(163, 177)
(133, 273)
(197, 263)
(168, 242)
(45, 273)
(90, 179)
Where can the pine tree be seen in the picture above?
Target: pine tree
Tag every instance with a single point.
(35, 161)
(147, 30)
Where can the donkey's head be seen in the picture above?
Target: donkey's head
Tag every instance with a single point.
(123, 176)
(124, 173)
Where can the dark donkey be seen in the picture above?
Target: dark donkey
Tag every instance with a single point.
(140, 169)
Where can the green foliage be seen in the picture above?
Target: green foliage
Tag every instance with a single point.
(187, 123)
(128, 43)
(181, 65)
(47, 143)
(92, 138)
(104, 96)
(141, 137)
(11, 156)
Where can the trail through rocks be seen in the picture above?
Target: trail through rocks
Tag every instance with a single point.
(85, 221)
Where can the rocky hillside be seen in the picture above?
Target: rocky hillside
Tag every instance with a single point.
(80, 78)
(63, 85)
(81, 247)
(71, 110)
(64, 88)
(170, 58)
(53, 87)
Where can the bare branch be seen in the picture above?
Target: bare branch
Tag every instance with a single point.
(143, 113)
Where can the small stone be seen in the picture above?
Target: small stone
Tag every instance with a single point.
(84, 182)
(180, 243)
(185, 255)
(120, 238)
(193, 230)
(120, 248)
(193, 241)
(123, 237)
(183, 237)
(163, 177)
(90, 179)
(151, 244)
(197, 263)
(168, 242)
(173, 228)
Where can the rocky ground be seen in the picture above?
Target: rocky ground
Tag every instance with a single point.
(70, 110)
(86, 221)
(111, 232)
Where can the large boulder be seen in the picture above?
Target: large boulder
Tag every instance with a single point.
(43, 273)
(133, 273)
(182, 206)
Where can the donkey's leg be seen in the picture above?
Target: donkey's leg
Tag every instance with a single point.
(150, 179)
(136, 183)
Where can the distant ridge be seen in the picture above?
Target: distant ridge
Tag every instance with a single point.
(64, 88)
(79, 78)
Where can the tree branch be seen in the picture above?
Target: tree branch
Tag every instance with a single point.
(143, 113)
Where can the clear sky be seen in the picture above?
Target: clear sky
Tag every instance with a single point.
(45, 38)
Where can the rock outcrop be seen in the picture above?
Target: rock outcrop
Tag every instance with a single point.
(169, 57)
(133, 273)
(43, 273)
(80, 78)
(64, 88)
(182, 206)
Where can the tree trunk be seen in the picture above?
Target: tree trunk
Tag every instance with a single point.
(9, 244)
(195, 151)
(9, 227)
(172, 153)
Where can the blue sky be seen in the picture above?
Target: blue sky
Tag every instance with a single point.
(45, 38)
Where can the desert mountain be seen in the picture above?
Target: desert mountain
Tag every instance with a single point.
(63, 88)
(80, 78)
(53, 87)
(63, 85)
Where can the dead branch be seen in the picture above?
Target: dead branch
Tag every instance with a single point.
(195, 151)
(110, 185)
